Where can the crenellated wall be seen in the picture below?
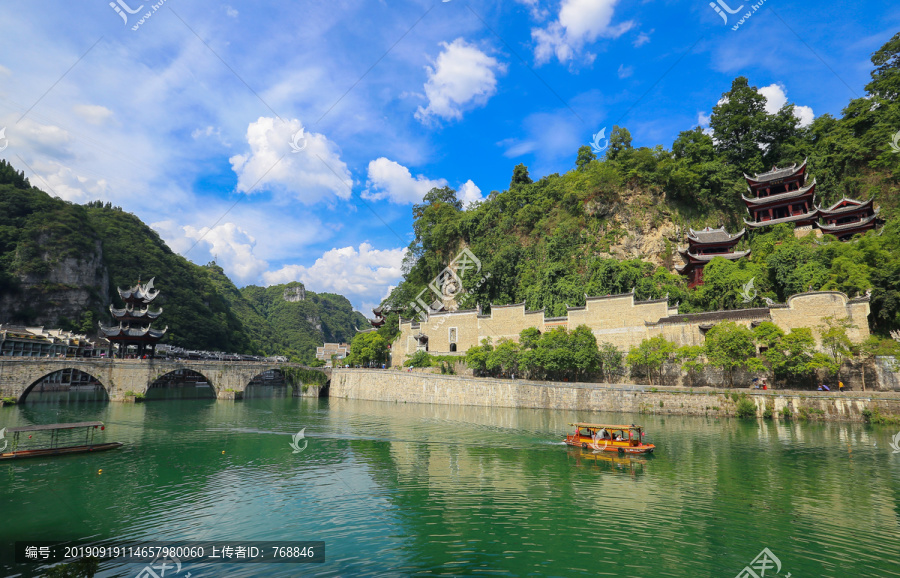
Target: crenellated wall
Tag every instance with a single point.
(624, 322)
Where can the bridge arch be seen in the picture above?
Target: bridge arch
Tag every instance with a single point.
(269, 382)
(65, 384)
(180, 383)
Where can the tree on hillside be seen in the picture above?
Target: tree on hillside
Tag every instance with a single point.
(739, 122)
(730, 346)
(585, 156)
(650, 355)
(792, 355)
(585, 354)
(520, 176)
(619, 142)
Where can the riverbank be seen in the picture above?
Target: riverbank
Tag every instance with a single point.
(409, 387)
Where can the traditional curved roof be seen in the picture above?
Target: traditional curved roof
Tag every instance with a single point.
(853, 206)
(848, 226)
(122, 332)
(139, 292)
(131, 313)
(719, 235)
(709, 257)
(805, 216)
(777, 173)
(811, 187)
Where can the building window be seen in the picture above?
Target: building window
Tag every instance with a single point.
(452, 347)
(452, 335)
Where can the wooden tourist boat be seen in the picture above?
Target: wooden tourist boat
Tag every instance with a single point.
(624, 439)
(54, 446)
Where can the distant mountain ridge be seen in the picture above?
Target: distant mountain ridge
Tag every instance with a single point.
(60, 264)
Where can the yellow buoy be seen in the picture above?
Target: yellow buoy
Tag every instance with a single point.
(223, 451)
(99, 472)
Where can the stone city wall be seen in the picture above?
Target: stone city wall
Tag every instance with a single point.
(412, 387)
(624, 322)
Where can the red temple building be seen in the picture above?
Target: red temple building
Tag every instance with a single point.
(848, 217)
(781, 196)
(705, 245)
(133, 334)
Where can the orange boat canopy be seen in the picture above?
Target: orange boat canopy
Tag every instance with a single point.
(602, 426)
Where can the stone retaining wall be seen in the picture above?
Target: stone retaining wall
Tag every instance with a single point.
(399, 386)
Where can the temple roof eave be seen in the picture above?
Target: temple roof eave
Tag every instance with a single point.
(777, 173)
(789, 195)
(848, 226)
(858, 206)
(715, 236)
(811, 215)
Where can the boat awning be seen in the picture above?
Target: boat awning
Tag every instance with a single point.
(55, 426)
(604, 426)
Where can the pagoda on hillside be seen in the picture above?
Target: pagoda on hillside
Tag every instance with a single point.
(705, 245)
(781, 196)
(134, 321)
(848, 217)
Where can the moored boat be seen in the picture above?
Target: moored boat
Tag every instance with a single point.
(624, 439)
(54, 446)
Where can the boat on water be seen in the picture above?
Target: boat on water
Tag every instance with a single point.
(624, 439)
(63, 439)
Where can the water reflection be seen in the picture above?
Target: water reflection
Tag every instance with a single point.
(66, 386)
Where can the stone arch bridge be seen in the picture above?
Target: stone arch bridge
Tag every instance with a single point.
(18, 375)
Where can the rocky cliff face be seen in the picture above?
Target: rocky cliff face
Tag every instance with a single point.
(64, 290)
(639, 226)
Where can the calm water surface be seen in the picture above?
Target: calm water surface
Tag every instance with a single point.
(404, 489)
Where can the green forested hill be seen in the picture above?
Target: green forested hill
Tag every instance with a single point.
(60, 264)
(550, 242)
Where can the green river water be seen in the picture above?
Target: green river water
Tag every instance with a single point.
(408, 489)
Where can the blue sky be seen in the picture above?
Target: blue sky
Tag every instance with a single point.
(187, 118)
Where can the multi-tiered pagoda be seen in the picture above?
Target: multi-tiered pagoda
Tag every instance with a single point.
(705, 245)
(133, 335)
(848, 217)
(781, 196)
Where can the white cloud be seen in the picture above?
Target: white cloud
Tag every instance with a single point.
(776, 97)
(57, 179)
(642, 39)
(310, 175)
(391, 180)
(703, 119)
(469, 193)
(463, 77)
(230, 245)
(362, 275)
(580, 22)
(231, 12)
(92, 113)
(625, 71)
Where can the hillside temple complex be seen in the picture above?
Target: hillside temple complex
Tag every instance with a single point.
(781, 195)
